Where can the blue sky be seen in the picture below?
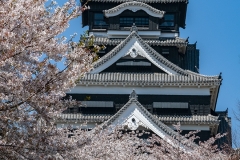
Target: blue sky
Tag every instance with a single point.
(215, 25)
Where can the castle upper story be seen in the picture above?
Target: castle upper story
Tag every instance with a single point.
(154, 19)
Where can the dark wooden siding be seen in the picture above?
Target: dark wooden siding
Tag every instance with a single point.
(188, 61)
(224, 127)
(153, 23)
(178, 8)
(173, 55)
(135, 69)
(114, 23)
(198, 105)
(191, 58)
(145, 99)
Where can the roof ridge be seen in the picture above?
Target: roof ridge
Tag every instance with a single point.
(150, 50)
(177, 41)
(154, 119)
(156, 78)
(202, 75)
(183, 118)
(98, 62)
(209, 115)
(158, 13)
(162, 59)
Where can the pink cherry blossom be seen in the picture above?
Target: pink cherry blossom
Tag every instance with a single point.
(32, 90)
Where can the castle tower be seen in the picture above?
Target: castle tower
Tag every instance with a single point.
(147, 77)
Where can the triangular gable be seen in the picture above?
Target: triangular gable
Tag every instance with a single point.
(135, 45)
(135, 64)
(134, 115)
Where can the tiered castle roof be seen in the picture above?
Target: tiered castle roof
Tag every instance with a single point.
(134, 46)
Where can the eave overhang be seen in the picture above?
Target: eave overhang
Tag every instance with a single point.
(166, 119)
(133, 115)
(214, 96)
(178, 42)
(192, 80)
(214, 90)
(133, 6)
(183, 16)
(149, 79)
(134, 40)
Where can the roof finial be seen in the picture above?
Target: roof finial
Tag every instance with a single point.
(134, 28)
(220, 75)
(197, 69)
(133, 95)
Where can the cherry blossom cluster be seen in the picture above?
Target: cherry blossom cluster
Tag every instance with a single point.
(31, 85)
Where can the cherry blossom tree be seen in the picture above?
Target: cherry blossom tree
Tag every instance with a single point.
(32, 90)
(31, 85)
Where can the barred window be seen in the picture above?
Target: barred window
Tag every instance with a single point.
(129, 21)
(99, 19)
(168, 20)
(126, 21)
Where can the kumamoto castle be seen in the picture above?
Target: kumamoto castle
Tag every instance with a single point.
(148, 77)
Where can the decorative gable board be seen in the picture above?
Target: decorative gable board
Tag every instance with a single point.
(134, 46)
(130, 65)
(133, 6)
(134, 116)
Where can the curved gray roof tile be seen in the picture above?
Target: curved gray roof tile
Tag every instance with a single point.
(149, 79)
(178, 42)
(161, 125)
(149, 49)
(169, 119)
(133, 3)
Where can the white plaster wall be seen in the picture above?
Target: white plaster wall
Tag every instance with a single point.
(192, 127)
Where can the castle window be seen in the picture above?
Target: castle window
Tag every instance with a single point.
(139, 21)
(165, 51)
(126, 21)
(168, 20)
(134, 63)
(195, 112)
(99, 19)
(182, 105)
